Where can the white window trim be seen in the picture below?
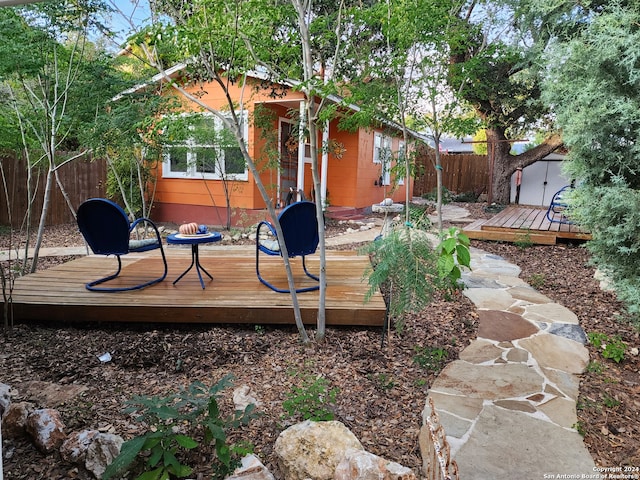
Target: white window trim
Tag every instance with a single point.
(191, 172)
(383, 143)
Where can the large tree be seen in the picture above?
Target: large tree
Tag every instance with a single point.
(594, 88)
(495, 66)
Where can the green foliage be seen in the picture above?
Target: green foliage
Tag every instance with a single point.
(595, 367)
(383, 382)
(312, 400)
(537, 280)
(404, 264)
(433, 195)
(523, 241)
(453, 255)
(612, 348)
(580, 428)
(594, 86)
(173, 422)
(430, 358)
(465, 197)
(609, 401)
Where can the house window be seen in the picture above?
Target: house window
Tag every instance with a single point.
(209, 150)
(382, 156)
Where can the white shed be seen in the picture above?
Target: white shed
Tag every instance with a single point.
(540, 181)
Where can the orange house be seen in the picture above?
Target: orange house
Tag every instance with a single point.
(355, 175)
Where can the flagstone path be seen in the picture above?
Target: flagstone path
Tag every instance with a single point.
(508, 404)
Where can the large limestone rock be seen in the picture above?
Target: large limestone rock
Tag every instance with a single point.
(314, 449)
(46, 428)
(102, 451)
(74, 449)
(361, 465)
(14, 421)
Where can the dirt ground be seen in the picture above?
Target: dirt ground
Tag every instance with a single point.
(381, 388)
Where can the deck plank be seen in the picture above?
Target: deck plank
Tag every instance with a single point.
(233, 296)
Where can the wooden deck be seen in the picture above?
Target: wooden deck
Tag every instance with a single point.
(233, 296)
(518, 223)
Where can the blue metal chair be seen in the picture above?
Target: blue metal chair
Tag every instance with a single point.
(107, 229)
(558, 206)
(300, 230)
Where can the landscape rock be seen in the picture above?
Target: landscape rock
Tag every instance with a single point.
(314, 449)
(74, 448)
(14, 421)
(102, 451)
(362, 465)
(5, 398)
(50, 394)
(251, 469)
(46, 429)
(243, 397)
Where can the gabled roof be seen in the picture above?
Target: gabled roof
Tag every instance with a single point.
(173, 72)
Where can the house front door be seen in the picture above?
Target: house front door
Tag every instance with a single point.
(288, 164)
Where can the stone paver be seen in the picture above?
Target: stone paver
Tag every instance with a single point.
(508, 404)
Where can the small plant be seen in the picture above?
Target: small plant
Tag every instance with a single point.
(383, 381)
(612, 348)
(172, 422)
(537, 280)
(430, 358)
(595, 367)
(580, 428)
(453, 254)
(609, 401)
(523, 241)
(312, 400)
(405, 267)
(433, 195)
(260, 330)
(465, 197)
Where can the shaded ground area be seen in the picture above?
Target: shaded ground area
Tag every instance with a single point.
(382, 389)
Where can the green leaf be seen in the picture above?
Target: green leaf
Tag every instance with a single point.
(157, 474)
(463, 255)
(217, 432)
(128, 453)
(171, 460)
(446, 264)
(448, 245)
(155, 457)
(463, 239)
(186, 442)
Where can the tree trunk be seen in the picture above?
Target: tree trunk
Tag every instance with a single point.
(502, 164)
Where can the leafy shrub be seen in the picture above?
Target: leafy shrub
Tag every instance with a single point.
(433, 195)
(312, 400)
(173, 421)
(453, 254)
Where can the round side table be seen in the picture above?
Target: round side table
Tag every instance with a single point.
(194, 241)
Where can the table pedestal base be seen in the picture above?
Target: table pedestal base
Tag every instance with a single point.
(195, 261)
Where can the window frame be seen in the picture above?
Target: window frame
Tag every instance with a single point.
(382, 154)
(191, 171)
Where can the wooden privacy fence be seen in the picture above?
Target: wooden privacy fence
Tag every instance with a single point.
(460, 173)
(81, 178)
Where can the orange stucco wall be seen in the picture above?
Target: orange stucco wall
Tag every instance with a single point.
(350, 180)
